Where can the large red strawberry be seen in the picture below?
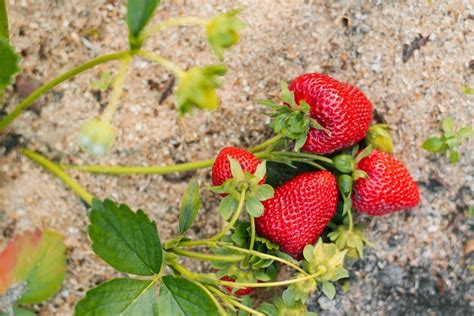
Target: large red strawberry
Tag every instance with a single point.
(299, 211)
(388, 188)
(339, 107)
(221, 168)
(239, 292)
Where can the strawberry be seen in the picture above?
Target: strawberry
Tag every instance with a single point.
(221, 168)
(388, 187)
(338, 107)
(239, 292)
(299, 211)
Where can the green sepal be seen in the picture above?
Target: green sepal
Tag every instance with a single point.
(328, 289)
(344, 163)
(227, 206)
(223, 31)
(254, 207)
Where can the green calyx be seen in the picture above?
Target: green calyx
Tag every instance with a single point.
(280, 308)
(96, 136)
(256, 191)
(327, 259)
(223, 31)
(379, 137)
(197, 88)
(291, 120)
(344, 163)
(299, 292)
(352, 240)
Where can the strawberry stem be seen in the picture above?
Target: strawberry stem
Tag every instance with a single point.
(252, 239)
(234, 218)
(117, 90)
(227, 298)
(266, 143)
(272, 284)
(181, 21)
(203, 256)
(177, 71)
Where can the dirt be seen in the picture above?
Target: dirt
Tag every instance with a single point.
(411, 58)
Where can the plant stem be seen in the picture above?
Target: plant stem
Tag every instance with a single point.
(4, 20)
(234, 218)
(177, 71)
(264, 256)
(218, 305)
(187, 166)
(252, 239)
(181, 21)
(266, 143)
(203, 256)
(54, 82)
(225, 297)
(349, 215)
(57, 171)
(270, 284)
(303, 155)
(117, 90)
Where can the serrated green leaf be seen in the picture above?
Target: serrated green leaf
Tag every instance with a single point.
(264, 192)
(180, 297)
(465, 132)
(8, 63)
(189, 207)
(329, 290)
(127, 297)
(254, 207)
(432, 144)
(37, 259)
(227, 206)
(4, 20)
(447, 124)
(453, 156)
(126, 240)
(139, 13)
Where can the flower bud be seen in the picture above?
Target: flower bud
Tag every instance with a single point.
(344, 163)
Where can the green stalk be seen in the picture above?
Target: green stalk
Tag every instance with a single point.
(266, 143)
(234, 218)
(203, 256)
(117, 90)
(227, 298)
(181, 21)
(252, 239)
(212, 297)
(4, 20)
(54, 82)
(177, 71)
(270, 284)
(303, 155)
(58, 172)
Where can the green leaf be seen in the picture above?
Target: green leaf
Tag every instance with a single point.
(126, 240)
(139, 13)
(447, 124)
(286, 95)
(103, 83)
(223, 31)
(329, 290)
(261, 171)
(254, 207)
(4, 20)
(264, 192)
(227, 206)
(236, 169)
(120, 297)
(18, 311)
(180, 297)
(432, 144)
(454, 156)
(299, 143)
(189, 207)
(468, 90)
(37, 259)
(364, 153)
(8, 63)
(465, 132)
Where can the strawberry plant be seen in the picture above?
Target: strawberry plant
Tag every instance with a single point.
(287, 203)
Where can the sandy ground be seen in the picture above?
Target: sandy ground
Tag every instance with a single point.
(419, 263)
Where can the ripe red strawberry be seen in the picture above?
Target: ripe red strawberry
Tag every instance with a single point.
(299, 211)
(239, 292)
(339, 107)
(388, 188)
(221, 168)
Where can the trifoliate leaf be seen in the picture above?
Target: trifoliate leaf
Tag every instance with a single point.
(432, 144)
(180, 297)
(126, 240)
(36, 259)
(254, 207)
(453, 156)
(189, 207)
(127, 297)
(8, 63)
(223, 31)
(329, 290)
(139, 13)
(264, 192)
(227, 206)
(197, 88)
(447, 124)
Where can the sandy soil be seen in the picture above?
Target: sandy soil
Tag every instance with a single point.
(419, 263)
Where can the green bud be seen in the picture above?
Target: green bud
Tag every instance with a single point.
(96, 136)
(326, 258)
(379, 137)
(222, 31)
(344, 182)
(344, 163)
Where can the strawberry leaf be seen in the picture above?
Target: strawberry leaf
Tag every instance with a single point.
(126, 240)
(468, 91)
(139, 13)
(453, 156)
(180, 297)
(447, 124)
(465, 132)
(8, 63)
(189, 207)
(127, 297)
(36, 259)
(329, 290)
(18, 311)
(432, 144)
